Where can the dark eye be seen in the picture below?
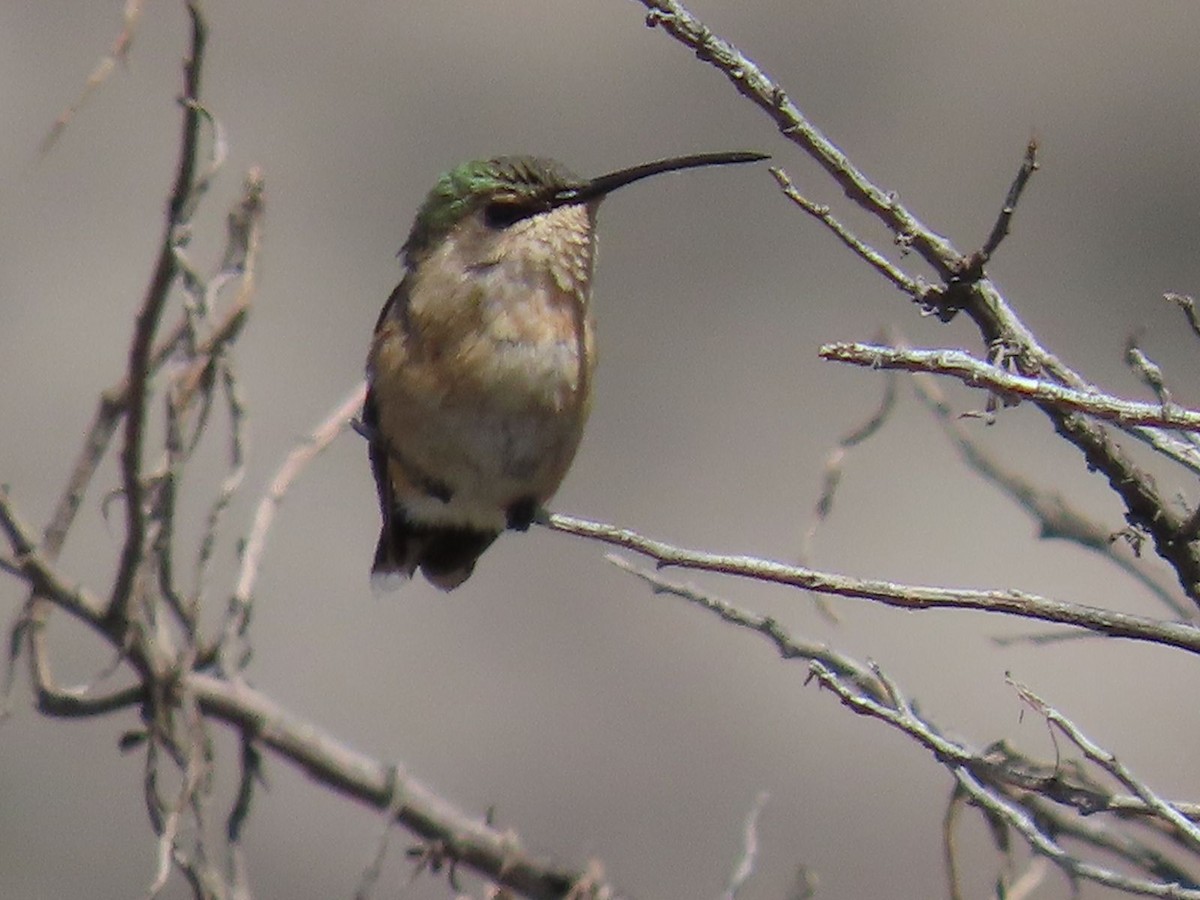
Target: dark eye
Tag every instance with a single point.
(500, 214)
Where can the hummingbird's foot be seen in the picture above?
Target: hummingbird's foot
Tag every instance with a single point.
(524, 513)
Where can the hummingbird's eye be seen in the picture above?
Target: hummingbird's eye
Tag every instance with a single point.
(500, 214)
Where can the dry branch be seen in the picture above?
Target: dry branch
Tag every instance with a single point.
(1007, 601)
(977, 373)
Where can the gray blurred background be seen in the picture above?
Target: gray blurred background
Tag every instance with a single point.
(598, 719)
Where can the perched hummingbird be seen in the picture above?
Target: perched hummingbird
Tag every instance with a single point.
(480, 372)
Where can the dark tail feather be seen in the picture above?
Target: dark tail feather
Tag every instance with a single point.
(449, 554)
(394, 562)
(445, 556)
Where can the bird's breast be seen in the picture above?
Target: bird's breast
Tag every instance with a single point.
(485, 383)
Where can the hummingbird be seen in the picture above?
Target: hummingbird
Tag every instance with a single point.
(479, 375)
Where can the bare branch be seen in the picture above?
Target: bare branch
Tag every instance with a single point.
(321, 437)
(1029, 165)
(498, 855)
(977, 373)
(1057, 518)
(752, 82)
(146, 324)
(914, 287)
(972, 772)
(1046, 845)
(1188, 305)
(1185, 830)
(117, 55)
(788, 646)
(37, 572)
(745, 867)
(1009, 602)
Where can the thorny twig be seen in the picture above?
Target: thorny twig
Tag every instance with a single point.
(914, 287)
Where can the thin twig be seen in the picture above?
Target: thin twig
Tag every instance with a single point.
(749, 858)
(914, 287)
(788, 646)
(1187, 831)
(976, 373)
(371, 874)
(1150, 373)
(264, 516)
(1188, 304)
(117, 55)
(1056, 516)
(831, 478)
(1029, 165)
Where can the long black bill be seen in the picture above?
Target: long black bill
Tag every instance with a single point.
(606, 184)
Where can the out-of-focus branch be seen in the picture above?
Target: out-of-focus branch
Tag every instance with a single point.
(976, 373)
(1057, 518)
(104, 69)
(832, 478)
(146, 323)
(1009, 602)
(749, 858)
(1040, 800)
(295, 463)
(498, 855)
(49, 588)
(111, 407)
(243, 244)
